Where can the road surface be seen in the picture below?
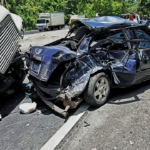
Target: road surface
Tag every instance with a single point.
(123, 123)
(37, 31)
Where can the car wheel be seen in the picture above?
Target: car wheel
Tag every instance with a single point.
(97, 90)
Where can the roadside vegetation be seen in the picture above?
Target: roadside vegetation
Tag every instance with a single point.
(29, 9)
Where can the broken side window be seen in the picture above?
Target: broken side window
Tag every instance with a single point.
(117, 36)
(142, 35)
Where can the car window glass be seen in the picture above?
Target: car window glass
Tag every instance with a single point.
(119, 36)
(142, 35)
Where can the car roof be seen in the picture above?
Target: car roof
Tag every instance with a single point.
(108, 21)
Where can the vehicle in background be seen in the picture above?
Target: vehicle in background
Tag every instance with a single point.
(126, 16)
(48, 21)
(12, 71)
(75, 18)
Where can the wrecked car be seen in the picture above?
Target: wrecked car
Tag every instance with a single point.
(12, 72)
(103, 53)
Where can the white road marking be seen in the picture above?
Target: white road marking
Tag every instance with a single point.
(63, 131)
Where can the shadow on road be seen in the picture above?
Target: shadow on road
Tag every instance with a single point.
(37, 31)
(10, 104)
(126, 95)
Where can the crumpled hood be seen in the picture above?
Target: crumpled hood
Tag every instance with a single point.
(44, 60)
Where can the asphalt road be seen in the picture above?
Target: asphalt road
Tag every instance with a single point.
(123, 123)
(42, 38)
(37, 31)
(26, 131)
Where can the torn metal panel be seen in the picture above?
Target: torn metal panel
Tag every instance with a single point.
(44, 60)
(79, 76)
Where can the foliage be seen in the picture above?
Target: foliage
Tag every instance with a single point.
(29, 10)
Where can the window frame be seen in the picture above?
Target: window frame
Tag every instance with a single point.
(136, 36)
(125, 36)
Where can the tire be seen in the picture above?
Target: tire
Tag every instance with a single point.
(97, 90)
(39, 30)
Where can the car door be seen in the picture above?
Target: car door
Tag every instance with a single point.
(144, 49)
(127, 74)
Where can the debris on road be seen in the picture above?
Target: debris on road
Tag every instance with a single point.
(29, 86)
(131, 142)
(41, 111)
(94, 148)
(27, 108)
(86, 124)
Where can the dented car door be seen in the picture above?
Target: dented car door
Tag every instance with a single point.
(127, 57)
(144, 50)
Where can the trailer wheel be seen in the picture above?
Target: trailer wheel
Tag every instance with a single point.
(97, 90)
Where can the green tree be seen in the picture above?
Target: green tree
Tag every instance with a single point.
(29, 10)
